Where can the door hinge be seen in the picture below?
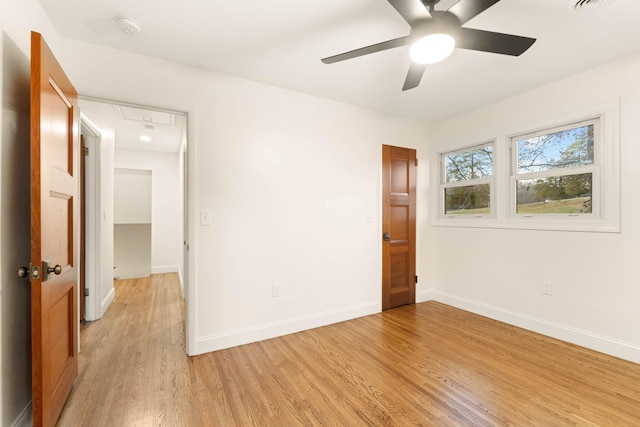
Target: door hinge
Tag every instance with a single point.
(416, 161)
(85, 151)
(416, 279)
(86, 292)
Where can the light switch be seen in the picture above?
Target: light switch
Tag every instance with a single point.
(369, 216)
(205, 218)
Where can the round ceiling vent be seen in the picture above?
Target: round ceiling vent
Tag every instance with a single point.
(589, 4)
(129, 26)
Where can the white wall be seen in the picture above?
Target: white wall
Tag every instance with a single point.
(106, 289)
(131, 196)
(166, 204)
(288, 179)
(132, 223)
(15, 322)
(499, 272)
(131, 250)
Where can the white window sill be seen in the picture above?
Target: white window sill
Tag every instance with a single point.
(565, 224)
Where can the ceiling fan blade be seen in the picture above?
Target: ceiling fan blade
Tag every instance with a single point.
(389, 44)
(488, 41)
(414, 76)
(465, 10)
(411, 10)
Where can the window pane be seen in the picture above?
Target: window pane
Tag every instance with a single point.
(567, 148)
(556, 194)
(472, 164)
(467, 200)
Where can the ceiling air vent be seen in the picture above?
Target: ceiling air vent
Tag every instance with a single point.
(589, 4)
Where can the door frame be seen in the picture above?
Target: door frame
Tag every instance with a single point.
(409, 200)
(93, 223)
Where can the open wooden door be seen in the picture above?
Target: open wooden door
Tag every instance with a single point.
(53, 271)
(399, 226)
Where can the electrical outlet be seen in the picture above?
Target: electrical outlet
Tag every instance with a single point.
(547, 288)
(275, 290)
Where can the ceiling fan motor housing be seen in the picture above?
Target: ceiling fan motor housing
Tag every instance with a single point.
(430, 3)
(442, 22)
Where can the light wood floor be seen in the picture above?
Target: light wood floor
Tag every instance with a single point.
(425, 364)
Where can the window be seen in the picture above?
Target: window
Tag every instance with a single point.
(467, 182)
(555, 171)
(563, 175)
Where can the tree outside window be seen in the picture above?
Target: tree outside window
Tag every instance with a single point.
(467, 180)
(555, 171)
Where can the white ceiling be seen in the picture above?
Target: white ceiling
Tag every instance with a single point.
(281, 42)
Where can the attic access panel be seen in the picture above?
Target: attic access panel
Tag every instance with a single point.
(146, 116)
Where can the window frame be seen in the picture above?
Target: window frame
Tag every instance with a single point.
(593, 169)
(444, 185)
(607, 196)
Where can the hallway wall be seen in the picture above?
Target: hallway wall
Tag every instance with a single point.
(166, 205)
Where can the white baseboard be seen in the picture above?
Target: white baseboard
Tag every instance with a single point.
(603, 344)
(276, 329)
(104, 305)
(423, 296)
(25, 419)
(159, 269)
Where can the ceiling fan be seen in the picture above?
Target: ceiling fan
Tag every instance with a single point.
(434, 34)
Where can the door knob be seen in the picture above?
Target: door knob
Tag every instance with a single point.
(57, 270)
(386, 236)
(47, 270)
(31, 272)
(23, 272)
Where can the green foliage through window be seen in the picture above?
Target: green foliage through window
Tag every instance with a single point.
(555, 170)
(556, 194)
(469, 200)
(467, 179)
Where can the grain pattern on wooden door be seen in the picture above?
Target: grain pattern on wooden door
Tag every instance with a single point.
(54, 294)
(399, 226)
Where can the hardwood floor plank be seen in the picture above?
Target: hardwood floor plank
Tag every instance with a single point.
(425, 364)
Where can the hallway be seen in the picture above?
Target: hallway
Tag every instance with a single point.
(133, 370)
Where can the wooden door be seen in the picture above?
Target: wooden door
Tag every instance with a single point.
(53, 273)
(399, 226)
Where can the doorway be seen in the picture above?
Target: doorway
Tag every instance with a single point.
(113, 132)
(132, 223)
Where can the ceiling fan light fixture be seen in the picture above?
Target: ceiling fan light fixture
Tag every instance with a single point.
(432, 48)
